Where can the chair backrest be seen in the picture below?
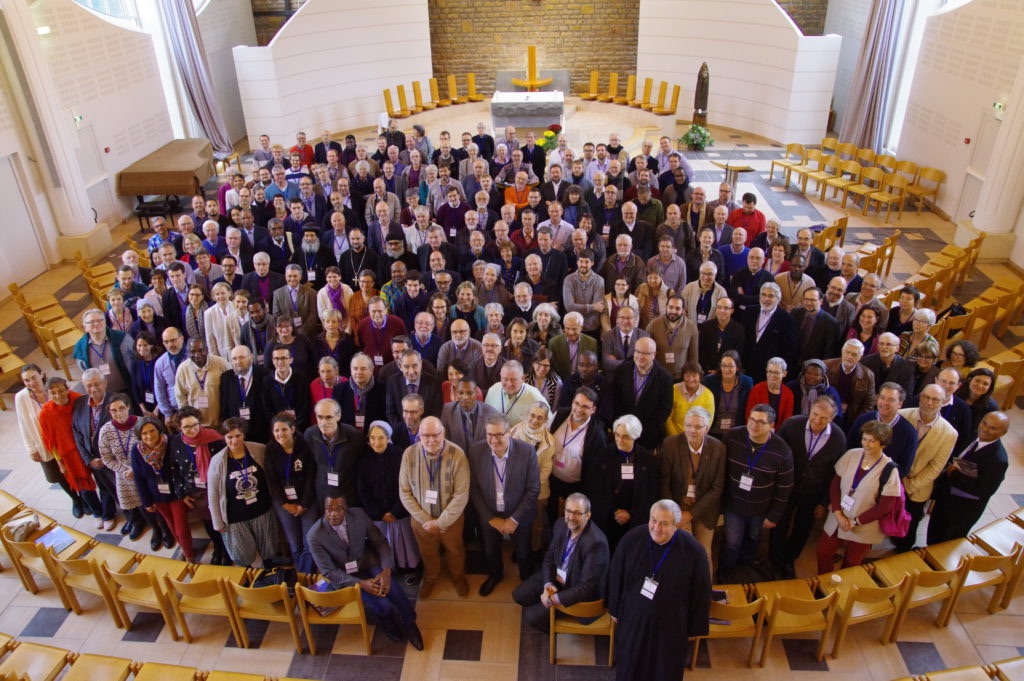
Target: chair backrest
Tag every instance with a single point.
(847, 149)
(586, 609)
(853, 169)
(875, 594)
(829, 144)
(804, 608)
(594, 77)
(935, 578)
(865, 156)
(205, 588)
(907, 168)
(872, 177)
(795, 152)
(327, 599)
(813, 156)
(417, 94)
(932, 175)
(630, 87)
(248, 601)
(453, 87)
(675, 99)
(435, 94)
(895, 183)
(662, 93)
(885, 162)
(613, 84)
(739, 616)
(403, 103)
(471, 83)
(389, 105)
(648, 86)
(134, 581)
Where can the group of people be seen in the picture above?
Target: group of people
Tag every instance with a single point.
(380, 358)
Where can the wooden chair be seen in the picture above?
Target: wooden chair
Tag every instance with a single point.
(33, 555)
(977, 673)
(865, 156)
(794, 155)
(453, 91)
(10, 506)
(978, 569)
(154, 671)
(88, 667)
(57, 346)
(471, 93)
(847, 151)
(734, 621)
(788, 615)
(389, 105)
(871, 263)
(417, 99)
(861, 599)
(348, 609)
(845, 174)
(907, 169)
(870, 182)
(673, 104)
(10, 366)
(660, 102)
(35, 662)
(33, 303)
(840, 225)
(984, 323)
(893, 192)
(593, 89)
(84, 574)
(613, 89)
(630, 91)
(645, 97)
(403, 102)
(435, 94)
(234, 676)
(829, 146)
(927, 585)
(1009, 380)
(103, 269)
(269, 603)
(142, 589)
(826, 239)
(928, 182)
(204, 597)
(563, 620)
(887, 251)
(886, 162)
(812, 161)
(818, 174)
(1009, 670)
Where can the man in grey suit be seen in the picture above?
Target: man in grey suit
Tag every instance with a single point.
(464, 418)
(297, 302)
(349, 549)
(504, 487)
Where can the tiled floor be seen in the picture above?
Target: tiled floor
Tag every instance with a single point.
(477, 638)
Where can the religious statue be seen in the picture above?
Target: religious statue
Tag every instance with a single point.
(533, 81)
(700, 96)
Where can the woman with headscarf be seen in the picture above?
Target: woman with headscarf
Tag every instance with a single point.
(155, 473)
(534, 431)
(377, 483)
(192, 450)
(811, 384)
(291, 475)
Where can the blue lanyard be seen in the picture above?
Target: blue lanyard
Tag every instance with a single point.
(289, 464)
(329, 455)
(752, 464)
(570, 545)
(101, 353)
(244, 467)
(814, 439)
(513, 403)
(501, 475)
(125, 447)
(568, 427)
(860, 473)
(643, 384)
(432, 471)
(650, 546)
(284, 393)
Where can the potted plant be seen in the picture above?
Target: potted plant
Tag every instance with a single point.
(696, 138)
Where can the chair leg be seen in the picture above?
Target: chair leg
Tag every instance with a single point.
(552, 638)
(309, 635)
(764, 650)
(840, 636)
(693, 654)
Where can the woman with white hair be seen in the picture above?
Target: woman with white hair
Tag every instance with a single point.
(546, 324)
(921, 322)
(621, 481)
(534, 431)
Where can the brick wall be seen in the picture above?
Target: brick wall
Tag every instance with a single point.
(579, 35)
(809, 15)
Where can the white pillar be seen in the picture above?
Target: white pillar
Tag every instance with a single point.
(1002, 194)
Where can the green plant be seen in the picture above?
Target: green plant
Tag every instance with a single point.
(697, 136)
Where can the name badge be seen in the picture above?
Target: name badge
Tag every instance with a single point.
(244, 412)
(560, 575)
(378, 360)
(691, 491)
(847, 503)
(289, 493)
(606, 230)
(311, 275)
(627, 471)
(104, 369)
(746, 482)
(352, 566)
(649, 588)
(670, 357)
(430, 496)
(332, 479)
(360, 420)
(451, 232)
(297, 322)
(203, 402)
(725, 422)
(149, 397)
(499, 500)
(163, 487)
(199, 483)
(701, 318)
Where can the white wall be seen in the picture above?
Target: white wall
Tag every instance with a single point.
(766, 77)
(969, 59)
(224, 24)
(848, 19)
(326, 68)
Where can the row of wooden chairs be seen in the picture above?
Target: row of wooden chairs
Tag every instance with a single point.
(630, 98)
(419, 104)
(1004, 670)
(887, 588)
(54, 331)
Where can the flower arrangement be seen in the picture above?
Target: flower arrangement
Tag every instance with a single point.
(549, 140)
(697, 137)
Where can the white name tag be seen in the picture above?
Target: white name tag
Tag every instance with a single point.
(691, 491)
(649, 588)
(163, 488)
(297, 322)
(746, 482)
(606, 230)
(378, 360)
(847, 503)
(360, 420)
(627, 471)
(499, 500)
(560, 575)
(726, 422)
(244, 412)
(670, 358)
(203, 402)
(701, 318)
(148, 397)
(451, 232)
(104, 369)
(311, 275)
(199, 483)
(352, 567)
(332, 479)
(430, 496)
(289, 493)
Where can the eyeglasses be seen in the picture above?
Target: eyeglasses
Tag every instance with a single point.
(497, 436)
(759, 422)
(574, 514)
(190, 426)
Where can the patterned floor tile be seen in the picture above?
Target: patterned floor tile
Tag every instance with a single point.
(920, 656)
(461, 644)
(146, 628)
(45, 622)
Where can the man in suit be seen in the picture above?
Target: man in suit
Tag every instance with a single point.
(854, 383)
(237, 245)
(816, 445)
(887, 366)
(349, 549)
(240, 393)
(411, 381)
(464, 418)
(813, 255)
(644, 388)
(693, 475)
(837, 305)
(723, 231)
(574, 566)
(280, 246)
(969, 481)
(770, 333)
(89, 413)
(935, 441)
(297, 302)
(617, 345)
(954, 409)
(261, 282)
(505, 482)
(363, 399)
(556, 188)
(566, 347)
(817, 331)
(321, 147)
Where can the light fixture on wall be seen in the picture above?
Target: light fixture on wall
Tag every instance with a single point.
(999, 108)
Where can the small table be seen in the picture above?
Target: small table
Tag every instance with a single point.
(732, 171)
(527, 109)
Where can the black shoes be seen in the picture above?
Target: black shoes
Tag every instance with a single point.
(415, 637)
(137, 531)
(156, 542)
(169, 541)
(127, 528)
(488, 586)
(76, 508)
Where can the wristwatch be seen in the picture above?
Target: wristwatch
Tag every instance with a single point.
(855, 521)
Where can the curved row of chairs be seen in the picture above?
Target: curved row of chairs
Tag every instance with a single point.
(637, 100)
(858, 173)
(404, 110)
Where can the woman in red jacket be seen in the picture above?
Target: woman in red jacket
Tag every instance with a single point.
(55, 427)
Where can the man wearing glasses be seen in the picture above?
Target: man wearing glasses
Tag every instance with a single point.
(574, 566)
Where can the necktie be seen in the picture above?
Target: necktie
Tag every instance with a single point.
(410, 388)
(467, 428)
(295, 295)
(625, 346)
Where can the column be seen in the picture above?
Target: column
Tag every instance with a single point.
(1002, 195)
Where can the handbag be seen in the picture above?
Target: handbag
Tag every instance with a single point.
(897, 522)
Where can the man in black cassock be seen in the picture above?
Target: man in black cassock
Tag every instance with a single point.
(659, 592)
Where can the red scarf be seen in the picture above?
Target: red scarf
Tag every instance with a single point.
(201, 443)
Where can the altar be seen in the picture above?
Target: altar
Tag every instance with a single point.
(527, 109)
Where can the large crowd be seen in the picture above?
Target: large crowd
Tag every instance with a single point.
(352, 361)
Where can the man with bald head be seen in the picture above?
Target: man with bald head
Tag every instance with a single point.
(745, 284)
(836, 304)
(643, 387)
(241, 393)
(969, 481)
(461, 347)
(640, 232)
